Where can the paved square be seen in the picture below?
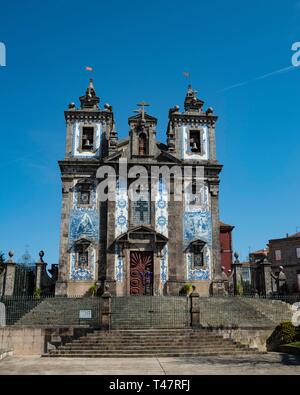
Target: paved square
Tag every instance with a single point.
(272, 363)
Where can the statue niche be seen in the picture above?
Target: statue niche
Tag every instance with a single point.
(142, 144)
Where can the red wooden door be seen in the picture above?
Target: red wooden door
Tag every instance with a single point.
(141, 273)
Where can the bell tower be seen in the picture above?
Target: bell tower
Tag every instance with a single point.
(191, 139)
(191, 133)
(142, 133)
(90, 137)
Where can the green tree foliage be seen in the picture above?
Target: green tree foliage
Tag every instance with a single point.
(287, 332)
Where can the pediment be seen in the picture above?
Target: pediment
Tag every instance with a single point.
(196, 243)
(147, 117)
(142, 234)
(164, 156)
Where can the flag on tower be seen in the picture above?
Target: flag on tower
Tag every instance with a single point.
(186, 74)
(88, 68)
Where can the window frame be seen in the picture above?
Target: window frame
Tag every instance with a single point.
(93, 148)
(83, 187)
(198, 249)
(201, 152)
(86, 253)
(80, 193)
(278, 255)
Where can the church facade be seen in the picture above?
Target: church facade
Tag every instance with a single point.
(152, 243)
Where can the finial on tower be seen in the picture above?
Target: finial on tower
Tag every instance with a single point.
(90, 100)
(192, 103)
(91, 87)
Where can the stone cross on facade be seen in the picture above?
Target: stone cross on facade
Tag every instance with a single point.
(142, 110)
(141, 207)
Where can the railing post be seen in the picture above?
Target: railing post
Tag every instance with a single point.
(10, 276)
(40, 269)
(267, 278)
(106, 309)
(195, 308)
(237, 276)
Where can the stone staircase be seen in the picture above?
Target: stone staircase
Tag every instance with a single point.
(144, 312)
(243, 312)
(57, 312)
(150, 343)
(5, 353)
(276, 311)
(17, 307)
(154, 312)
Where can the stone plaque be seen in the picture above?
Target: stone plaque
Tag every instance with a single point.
(2, 315)
(85, 314)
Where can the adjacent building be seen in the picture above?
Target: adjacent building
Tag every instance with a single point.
(286, 252)
(283, 252)
(226, 246)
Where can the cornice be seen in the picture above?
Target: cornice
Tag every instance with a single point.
(79, 115)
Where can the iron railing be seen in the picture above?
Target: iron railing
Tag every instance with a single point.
(244, 312)
(130, 312)
(52, 311)
(134, 312)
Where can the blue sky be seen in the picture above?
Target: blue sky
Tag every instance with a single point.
(139, 51)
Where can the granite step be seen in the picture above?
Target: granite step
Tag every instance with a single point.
(149, 343)
(158, 354)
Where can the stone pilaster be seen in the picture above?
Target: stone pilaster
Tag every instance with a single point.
(40, 269)
(61, 285)
(106, 309)
(212, 143)
(176, 262)
(237, 275)
(110, 268)
(195, 308)
(266, 269)
(216, 254)
(69, 138)
(10, 276)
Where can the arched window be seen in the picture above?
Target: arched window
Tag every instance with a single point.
(142, 144)
(82, 247)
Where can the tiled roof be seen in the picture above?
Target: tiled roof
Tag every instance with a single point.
(295, 235)
(259, 252)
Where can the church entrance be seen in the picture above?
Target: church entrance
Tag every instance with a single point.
(141, 273)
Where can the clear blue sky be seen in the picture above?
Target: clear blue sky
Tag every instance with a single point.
(139, 50)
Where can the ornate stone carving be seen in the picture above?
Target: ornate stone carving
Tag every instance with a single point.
(214, 189)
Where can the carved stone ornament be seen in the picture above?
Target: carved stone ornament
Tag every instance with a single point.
(214, 189)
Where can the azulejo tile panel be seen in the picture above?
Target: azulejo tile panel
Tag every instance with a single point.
(82, 273)
(119, 265)
(164, 266)
(199, 274)
(84, 224)
(121, 226)
(121, 218)
(197, 224)
(161, 224)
